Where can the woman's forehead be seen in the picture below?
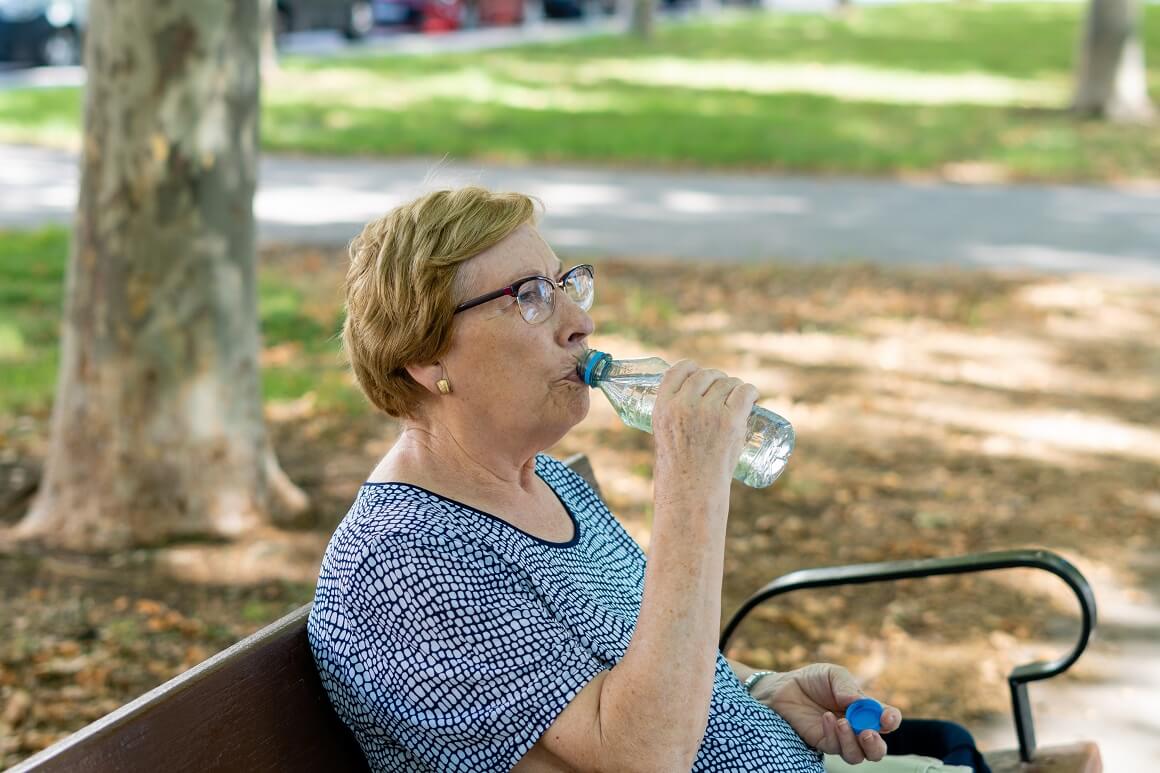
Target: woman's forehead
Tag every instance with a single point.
(521, 254)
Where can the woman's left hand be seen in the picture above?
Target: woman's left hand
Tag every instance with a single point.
(813, 700)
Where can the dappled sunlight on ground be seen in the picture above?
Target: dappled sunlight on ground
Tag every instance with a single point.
(352, 88)
(576, 87)
(938, 413)
(1007, 430)
(263, 557)
(917, 350)
(847, 82)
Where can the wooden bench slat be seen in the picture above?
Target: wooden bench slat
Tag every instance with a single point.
(1069, 758)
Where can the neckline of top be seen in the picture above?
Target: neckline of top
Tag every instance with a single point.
(567, 509)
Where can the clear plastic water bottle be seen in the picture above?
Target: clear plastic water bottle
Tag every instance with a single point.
(631, 386)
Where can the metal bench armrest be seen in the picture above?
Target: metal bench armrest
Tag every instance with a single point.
(858, 574)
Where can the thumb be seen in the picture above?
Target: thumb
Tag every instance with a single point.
(844, 687)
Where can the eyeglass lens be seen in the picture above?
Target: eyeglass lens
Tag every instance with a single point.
(535, 297)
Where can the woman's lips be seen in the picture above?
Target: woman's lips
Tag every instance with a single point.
(572, 373)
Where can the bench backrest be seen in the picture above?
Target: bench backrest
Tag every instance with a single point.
(257, 706)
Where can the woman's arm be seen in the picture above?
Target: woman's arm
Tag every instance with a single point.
(649, 713)
(743, 671)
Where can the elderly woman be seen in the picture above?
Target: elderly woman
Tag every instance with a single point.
(479, 608)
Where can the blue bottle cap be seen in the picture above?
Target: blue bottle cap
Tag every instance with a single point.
(587, 369)
(864, 714)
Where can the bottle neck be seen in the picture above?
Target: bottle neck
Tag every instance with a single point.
(595, 368)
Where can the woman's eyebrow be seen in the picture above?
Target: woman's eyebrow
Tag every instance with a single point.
(523, 273)
(527, 272)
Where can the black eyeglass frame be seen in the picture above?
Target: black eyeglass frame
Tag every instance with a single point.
(513, 290)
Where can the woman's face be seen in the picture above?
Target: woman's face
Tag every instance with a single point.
(513, 380)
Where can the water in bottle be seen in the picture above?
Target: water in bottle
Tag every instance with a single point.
(631, 386)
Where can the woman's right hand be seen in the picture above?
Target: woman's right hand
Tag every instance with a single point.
(699, 423)
(644, 718)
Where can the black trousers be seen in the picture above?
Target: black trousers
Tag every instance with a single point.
(944, 741)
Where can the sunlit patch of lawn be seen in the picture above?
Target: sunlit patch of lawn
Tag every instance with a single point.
(926, 88)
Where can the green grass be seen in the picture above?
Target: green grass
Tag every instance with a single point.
(886, 90)
(32, 265)
(32, 274)
(40, 116)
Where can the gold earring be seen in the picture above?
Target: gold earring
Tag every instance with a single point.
(444, 386)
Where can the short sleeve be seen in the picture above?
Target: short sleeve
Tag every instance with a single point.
(454, 656)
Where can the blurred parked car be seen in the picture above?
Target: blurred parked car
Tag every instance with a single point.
(494, 13)
(42, 31)
(574, 9)
(440, 15)
(353, 18)
(397, 13)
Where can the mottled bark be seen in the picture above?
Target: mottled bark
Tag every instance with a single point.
(157, 429)
(1111, 75)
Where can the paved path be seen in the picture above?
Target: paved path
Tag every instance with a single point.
(1113, 701)
(716, 217)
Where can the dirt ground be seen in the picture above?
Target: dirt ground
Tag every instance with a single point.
(937, 413)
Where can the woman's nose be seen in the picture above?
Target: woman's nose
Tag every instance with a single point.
(575, 321)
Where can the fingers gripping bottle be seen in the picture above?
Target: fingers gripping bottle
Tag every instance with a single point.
(631, 386)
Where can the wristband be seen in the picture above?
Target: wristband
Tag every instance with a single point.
(754, 678)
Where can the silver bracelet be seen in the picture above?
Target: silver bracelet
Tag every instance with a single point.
(754, 678)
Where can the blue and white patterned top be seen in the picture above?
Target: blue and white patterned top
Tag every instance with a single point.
(449, 640)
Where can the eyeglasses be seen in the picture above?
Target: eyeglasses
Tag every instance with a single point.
(536, 295)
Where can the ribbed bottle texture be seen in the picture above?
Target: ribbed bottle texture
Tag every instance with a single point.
(631, 386)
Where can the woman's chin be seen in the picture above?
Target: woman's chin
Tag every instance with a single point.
(576, 401)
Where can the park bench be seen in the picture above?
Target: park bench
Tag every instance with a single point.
(260, 705)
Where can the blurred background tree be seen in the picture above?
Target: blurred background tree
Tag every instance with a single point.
(157, 428)
(268, 29)
(641, 22)
(1112, 76)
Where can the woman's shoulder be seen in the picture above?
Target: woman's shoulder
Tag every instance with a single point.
(397, 514)
(393, 506)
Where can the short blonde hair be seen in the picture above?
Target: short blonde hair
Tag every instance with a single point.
(402, 289)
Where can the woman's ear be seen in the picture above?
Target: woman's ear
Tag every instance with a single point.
(427, 376)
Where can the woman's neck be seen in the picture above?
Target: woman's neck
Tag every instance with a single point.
(446, 460)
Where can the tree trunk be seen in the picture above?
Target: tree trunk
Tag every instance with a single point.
(1111, 75)
(641, 24)
(157, 428)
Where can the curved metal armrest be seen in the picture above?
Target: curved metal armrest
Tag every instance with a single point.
(859, 574)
